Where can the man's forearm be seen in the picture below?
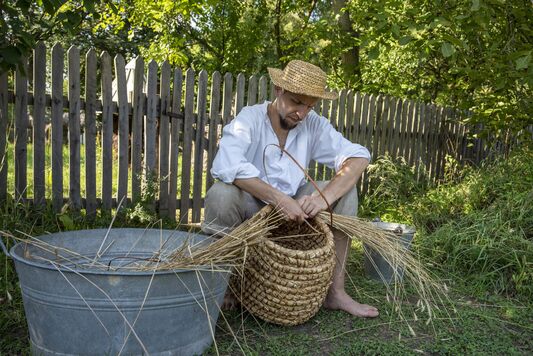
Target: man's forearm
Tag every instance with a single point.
(345, 179)
(259, 189)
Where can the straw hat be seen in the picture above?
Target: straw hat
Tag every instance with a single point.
(302, 78)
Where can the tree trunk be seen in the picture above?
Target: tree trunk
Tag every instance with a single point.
(350, 56)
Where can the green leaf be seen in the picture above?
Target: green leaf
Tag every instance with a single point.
(88, 5)
(523, 62)
(404, 40)
(67, 222)
(447, 49)
(373, 53)
(475, 5)
(10, 54)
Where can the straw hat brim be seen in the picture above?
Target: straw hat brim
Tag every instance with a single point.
(277, 78)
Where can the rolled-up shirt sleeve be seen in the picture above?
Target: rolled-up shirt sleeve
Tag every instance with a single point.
(332, 148)
(231, 161)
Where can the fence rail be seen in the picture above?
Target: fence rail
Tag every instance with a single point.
(158, 127)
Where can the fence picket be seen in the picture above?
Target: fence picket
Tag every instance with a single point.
(383, 124)
(326, 104)
(57, 127)
(341, 112)
(3, 135)
(239, 94)
(391, 125)
(107, 131)
(124, 132)
(21, 130)
(74, 126)
(164, 137)
(263, 89)
(187, 149)
(214, 122)
(176, 124)
(39, 110)
(333, 118)
(350, 123)
(368, 137)
(252, 90)
(137, 130)
(90, 133)
(199, 144)
(150, 122)
(227, 98)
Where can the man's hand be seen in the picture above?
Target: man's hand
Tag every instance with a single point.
(292, 209)
(312, 204)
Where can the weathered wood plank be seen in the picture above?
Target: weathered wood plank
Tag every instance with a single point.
(397, 131)
(263, 89)
(214, 122)
(150, 127)
(358, 128)
(39, 110)
(187, 149)
(239, 94)
(57, 127)
(176, 124)
(391, 125)
(333, 119)
(252, 90)
(419, 137)
(320, 168)
(90, 133)
(137, 130)
(341, 113)
(442, 136)
(124, 131)
(21, 130)
(430, 113)
(74, 127)
(414, 114)
(107, 131)
(350, 124)
(376, 137)
(383, 124)
(199, 144)
(368, 137)
(164, 138)
(4, 87)
(227, 99)
(434, 139)
(402, 139)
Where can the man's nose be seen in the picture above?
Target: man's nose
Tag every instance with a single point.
(302, 112)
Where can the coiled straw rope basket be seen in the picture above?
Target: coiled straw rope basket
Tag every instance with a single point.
(286, 275)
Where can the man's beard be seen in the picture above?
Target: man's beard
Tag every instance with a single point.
(285, 125)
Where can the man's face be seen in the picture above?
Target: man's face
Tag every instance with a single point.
(293, 108)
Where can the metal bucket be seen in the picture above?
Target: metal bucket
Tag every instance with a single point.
(72, 310)
(376, 267)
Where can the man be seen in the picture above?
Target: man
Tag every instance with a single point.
(252, 170)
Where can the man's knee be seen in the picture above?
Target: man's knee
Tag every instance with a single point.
(221, 195)
(348, 204)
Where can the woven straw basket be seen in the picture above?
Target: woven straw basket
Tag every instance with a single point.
(287, 274)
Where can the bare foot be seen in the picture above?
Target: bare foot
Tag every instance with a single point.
(340, 300)
(230, 301)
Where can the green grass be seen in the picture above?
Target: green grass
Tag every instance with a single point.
(475, 233)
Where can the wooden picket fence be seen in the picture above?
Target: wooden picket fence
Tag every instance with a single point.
(168, 125)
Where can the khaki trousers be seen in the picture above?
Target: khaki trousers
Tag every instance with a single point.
(227, 206)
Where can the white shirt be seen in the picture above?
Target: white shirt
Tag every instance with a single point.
(243, 142)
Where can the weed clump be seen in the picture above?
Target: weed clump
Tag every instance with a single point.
(479, 226)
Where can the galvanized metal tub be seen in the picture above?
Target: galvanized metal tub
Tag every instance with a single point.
(376, 267)
(72, 310)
